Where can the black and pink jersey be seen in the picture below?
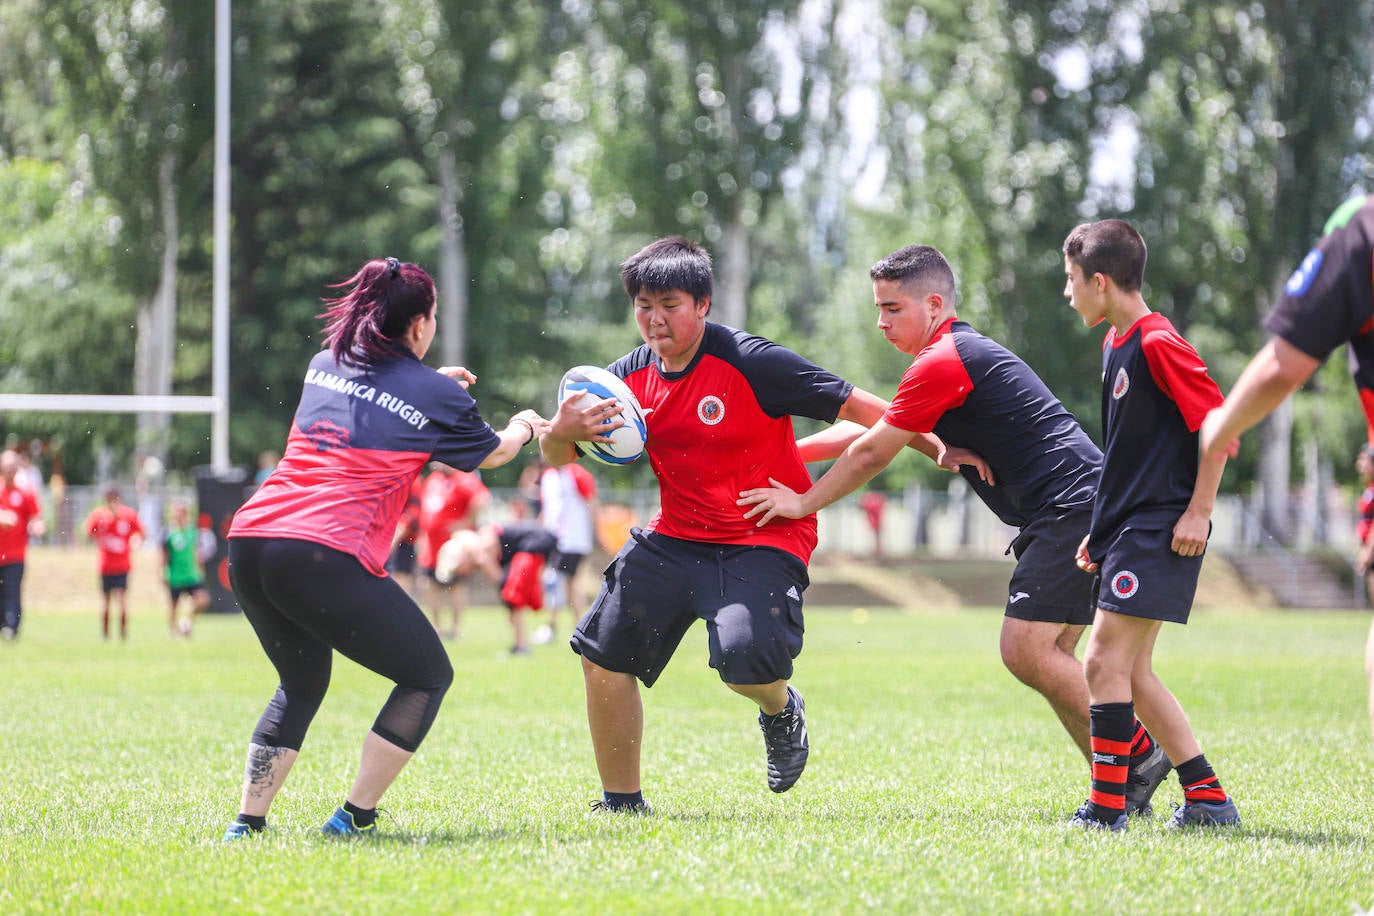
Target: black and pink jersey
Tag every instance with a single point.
(360, 437)
(974, 393)
(723, 425)
(1329, 299)
(1155, 394)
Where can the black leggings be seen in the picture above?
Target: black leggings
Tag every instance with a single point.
(305, 600)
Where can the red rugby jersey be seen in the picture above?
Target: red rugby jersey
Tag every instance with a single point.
(359, 439)
(974, 393)
(113, 530)
(14, 537)
(724, 424)
(1155, 394)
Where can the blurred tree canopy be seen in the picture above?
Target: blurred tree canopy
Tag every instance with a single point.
(521, 150)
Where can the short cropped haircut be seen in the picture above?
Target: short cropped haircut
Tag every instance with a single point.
(1111, 247)
(668, 264)
(917, 266)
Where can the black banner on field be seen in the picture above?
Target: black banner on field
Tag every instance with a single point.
(219, 496)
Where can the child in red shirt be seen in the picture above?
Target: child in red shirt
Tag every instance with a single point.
(116, 530)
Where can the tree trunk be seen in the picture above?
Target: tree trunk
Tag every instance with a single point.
(730, 305)
(156, 343)
(453, 265)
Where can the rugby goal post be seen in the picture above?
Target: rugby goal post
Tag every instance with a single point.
(217, 403)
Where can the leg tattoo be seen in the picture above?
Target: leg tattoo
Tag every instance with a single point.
(260, 773)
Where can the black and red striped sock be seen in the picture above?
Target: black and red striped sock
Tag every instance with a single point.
(1200, 783)
(1141, 744)
(1111, 727)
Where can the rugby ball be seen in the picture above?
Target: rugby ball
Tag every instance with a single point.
(627, 442)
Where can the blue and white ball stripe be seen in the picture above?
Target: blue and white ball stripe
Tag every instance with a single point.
(628, 441)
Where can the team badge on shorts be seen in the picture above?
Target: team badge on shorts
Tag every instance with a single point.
(710, 410)
(1125, 584)
(1121, 385)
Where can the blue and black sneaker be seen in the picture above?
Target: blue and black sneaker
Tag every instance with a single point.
(785, 739)
(1085, 821)
(238, 830)
(1205, 814)
(341, 823)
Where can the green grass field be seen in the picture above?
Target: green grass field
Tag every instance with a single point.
(936, 783)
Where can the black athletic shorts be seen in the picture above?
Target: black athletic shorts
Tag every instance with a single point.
(658, 586)
(179, 590)
(1143, 577)
(568, 563)
(113, 582)
(1047, 585)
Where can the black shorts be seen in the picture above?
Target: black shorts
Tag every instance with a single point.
(568, 564)
(113, 581)
(179, 590)
(402, 559)
(1047, 586)
(1142, 576)
(658, 586)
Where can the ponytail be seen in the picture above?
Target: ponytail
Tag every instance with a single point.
(381, 301)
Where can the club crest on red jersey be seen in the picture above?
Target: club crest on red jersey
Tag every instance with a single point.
(1125, 584)
(1121, 384)
(710, 410)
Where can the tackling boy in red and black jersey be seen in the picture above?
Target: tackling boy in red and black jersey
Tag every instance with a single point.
(973, 392)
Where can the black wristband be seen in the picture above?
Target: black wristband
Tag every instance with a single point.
(529, 426)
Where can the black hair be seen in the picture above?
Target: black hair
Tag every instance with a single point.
(917, 266)
(1111, 247)
(668, 264)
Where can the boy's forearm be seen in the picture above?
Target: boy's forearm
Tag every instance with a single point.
(1209, 471)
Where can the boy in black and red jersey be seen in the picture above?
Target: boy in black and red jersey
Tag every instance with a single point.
(1150, 524)
(1328, 301)
(972, 392)
(720, 404)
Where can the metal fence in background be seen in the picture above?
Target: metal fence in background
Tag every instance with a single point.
(952, 522)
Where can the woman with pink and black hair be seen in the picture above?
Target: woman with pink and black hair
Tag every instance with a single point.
(308, 551)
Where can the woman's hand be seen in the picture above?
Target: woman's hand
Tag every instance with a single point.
(460, 374)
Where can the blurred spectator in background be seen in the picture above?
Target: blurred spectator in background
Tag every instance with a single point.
(148, 483)
(873, 503)
(117, 532)
(183, 552)
(19, 520)
(450, 501)
(401, 563)
(1364, 516)
(568, 503)
(267, 462)
(528, 491)
(512, 555)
